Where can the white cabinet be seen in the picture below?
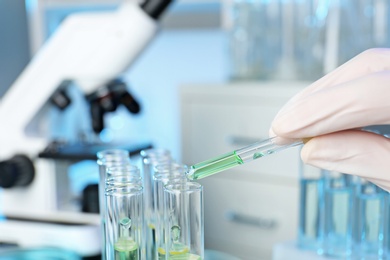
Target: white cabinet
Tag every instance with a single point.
(251, 207)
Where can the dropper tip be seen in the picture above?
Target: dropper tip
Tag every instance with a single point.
(190, 174)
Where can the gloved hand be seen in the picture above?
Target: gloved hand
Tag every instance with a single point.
(334, 109)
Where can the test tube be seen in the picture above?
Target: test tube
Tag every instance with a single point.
(123, 180)
(150, 158)
(387, 224)
(371, 217)
(339, 209)
(122, 170)
(164, 174)
(184, 221)
(108, 158)
(124, 221)
(311, 213)
(118, 176)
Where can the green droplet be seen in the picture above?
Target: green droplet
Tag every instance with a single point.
(257, 155)
(125, 222)
(175, 233)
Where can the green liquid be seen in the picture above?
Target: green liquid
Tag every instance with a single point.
(161, 255)
(178, 255)
(126, 249)
(212, 166)
(257, 155)
(186, 256)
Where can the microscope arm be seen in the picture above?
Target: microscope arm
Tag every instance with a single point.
(89, 49)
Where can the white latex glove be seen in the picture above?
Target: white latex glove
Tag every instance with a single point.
(334, 108)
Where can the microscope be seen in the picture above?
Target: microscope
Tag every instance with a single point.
(88, 50)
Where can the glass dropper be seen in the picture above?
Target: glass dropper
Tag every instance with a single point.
(237, 157)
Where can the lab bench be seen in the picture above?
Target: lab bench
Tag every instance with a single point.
(250, 208)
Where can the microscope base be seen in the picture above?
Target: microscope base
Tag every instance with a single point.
(81, 237)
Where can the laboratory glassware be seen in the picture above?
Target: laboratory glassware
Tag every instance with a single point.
(280, 40)
(117, 176)
(168, 173)
(339, 194)
(151, 157)
(387, 224)
(184, 226)
(123, 180)
(304, 39)
(301, 39)
(125, 176)
(114, 180)
(124, 222)
(238, 157)
(311, 211)
(122, 169)
(254, 38)
(107, 158)
(371, 217)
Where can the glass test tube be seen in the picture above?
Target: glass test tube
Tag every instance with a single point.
(150, 158)
(311, 217)
(387, 224)
(124, 220)
(107, 158)
(184, 224)
(118, 176)
(122, 170)
(168, 173)
(371, 217)
(123, 180)
(339, 208)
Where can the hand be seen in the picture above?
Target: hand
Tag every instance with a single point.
(334, 109)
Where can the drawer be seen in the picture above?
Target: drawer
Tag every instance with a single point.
(248, 218)
(216, 128)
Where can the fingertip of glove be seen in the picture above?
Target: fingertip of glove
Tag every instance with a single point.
(278, 127)
(307, 151)
(314, 153)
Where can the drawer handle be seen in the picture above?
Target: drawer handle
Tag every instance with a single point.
(241, 140)
(268, 224)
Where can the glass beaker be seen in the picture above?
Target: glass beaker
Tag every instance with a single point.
(311, 213)
(184, 226)
(339, 214)
(150, 158)
(124, 222)
(371, 220)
